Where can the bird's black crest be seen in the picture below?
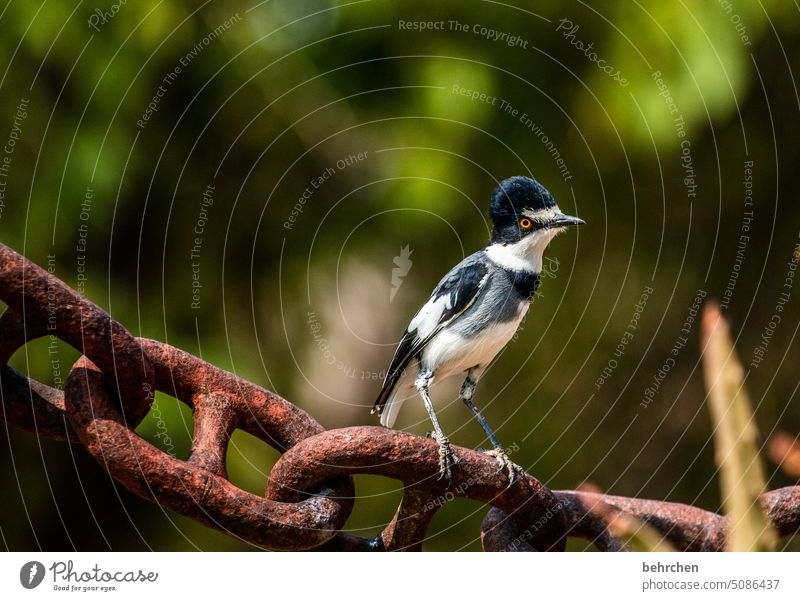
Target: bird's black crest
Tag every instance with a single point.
(516, 193)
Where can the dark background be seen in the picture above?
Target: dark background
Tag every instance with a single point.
(274, 99)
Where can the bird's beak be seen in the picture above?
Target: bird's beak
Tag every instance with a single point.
(565, 220)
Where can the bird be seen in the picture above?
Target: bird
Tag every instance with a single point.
(474, 311)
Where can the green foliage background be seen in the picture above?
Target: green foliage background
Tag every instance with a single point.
(274, 99)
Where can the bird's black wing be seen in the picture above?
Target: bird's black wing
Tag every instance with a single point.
(451, 297)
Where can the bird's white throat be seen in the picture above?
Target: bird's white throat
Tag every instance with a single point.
(524, 255)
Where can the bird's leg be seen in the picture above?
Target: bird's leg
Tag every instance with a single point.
(499, 453)
(446, 457)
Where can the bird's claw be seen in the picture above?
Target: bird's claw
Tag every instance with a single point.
(505, 464)
(446, 457)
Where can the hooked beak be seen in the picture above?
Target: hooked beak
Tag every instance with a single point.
(565, 220)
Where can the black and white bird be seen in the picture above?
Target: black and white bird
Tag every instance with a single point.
(475, 310)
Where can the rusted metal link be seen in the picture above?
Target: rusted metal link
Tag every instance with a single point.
(34, 406)
(237, 402)
(40, 304)
(688, 528)
(104, 410)
(782, 507)
(415, 462)
(194, 488)
(500, 533)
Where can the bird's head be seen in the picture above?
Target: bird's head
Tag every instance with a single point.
(521, 209)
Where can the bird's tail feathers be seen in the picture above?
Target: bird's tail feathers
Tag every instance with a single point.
(391, 399)
(392, 406)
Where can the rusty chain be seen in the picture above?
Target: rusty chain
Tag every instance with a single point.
(310, 491)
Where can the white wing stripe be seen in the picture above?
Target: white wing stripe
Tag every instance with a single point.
(428, 318)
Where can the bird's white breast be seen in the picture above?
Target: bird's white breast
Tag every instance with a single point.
(450, 353)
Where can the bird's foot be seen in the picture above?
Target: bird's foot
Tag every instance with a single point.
(447, 460)
(506, 465)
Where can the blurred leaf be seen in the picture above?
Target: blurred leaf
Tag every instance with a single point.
(741, 473)
(784, 450)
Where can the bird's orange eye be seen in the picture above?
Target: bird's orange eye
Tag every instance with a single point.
(525, 223)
